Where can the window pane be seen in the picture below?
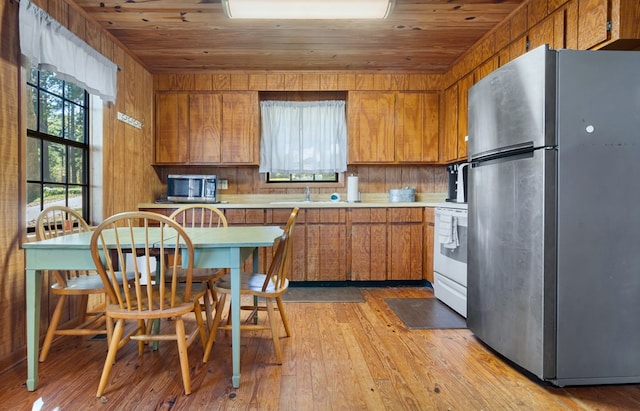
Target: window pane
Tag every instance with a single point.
(279, 176)
(49, 82)
(54, 162)
(50, 115)
(33, 203)
(33, 194)
(76, 166)
(301, 177)
(32, 108)
(54, 194)
(74, 93)
(33, 159)
(74, 118)
(325, 177)
(76, 194)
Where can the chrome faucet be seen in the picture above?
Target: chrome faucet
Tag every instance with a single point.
(307, 195)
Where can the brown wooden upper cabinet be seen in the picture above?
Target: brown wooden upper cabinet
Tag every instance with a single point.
(416, 130)
(371, 124)
(603, 22)
(240, 128)
(392, 127)
(207, 128)
(450, 137)
(464, 84)
(172, 128)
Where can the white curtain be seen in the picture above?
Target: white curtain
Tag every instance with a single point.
(303, 137)
(48, 45)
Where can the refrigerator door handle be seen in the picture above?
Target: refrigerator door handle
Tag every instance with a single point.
(503, 157)
(503, 151)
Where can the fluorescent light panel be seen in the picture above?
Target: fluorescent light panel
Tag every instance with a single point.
(307, 9)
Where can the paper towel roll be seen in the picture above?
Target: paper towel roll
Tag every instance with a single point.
(353, 194)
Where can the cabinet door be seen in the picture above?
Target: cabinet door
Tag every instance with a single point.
(592, 23)
(406, 244)
(450, 144)
(368, 244)
(416, 127)
(240, 127)
(172, 128)
(544, 33)
(464, 84)
(205, 120)
(326, 247)
(371, 127)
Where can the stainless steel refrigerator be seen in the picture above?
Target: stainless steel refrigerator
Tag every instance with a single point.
(554, 215)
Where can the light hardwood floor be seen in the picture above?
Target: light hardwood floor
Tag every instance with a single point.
(347, 356)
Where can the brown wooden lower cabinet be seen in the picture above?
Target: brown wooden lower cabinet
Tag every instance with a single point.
(325, 244)
(406, 244)
(368, 244)
(348, 244)
(387, 244)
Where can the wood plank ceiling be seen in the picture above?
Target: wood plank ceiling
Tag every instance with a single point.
(424, 36)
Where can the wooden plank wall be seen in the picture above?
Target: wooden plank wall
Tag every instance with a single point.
(12, 301)
(128, 178)
(372, 179)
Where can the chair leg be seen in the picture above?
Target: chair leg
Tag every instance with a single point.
(109, 324)
(111, 356)
(200, 323)
(214, 327)
(83, 307)
(182, 353)
(153, 327)
(142, 329)
(53, 327)
(283, 315)
(208, 304)
(212, 290)
(274, 329)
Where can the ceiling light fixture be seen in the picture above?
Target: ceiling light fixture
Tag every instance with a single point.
(307, 9)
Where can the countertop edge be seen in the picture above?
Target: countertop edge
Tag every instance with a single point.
(327, 205)
(245, 201)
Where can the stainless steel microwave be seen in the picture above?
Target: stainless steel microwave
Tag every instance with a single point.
(189, 188)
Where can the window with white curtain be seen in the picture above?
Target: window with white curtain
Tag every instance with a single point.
(306, 137)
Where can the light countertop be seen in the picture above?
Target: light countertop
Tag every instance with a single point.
(317, 201)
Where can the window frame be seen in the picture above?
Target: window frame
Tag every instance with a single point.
(266, 185)
(41, 138)
(313, 181)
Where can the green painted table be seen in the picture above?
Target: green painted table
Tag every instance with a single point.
(225, 247)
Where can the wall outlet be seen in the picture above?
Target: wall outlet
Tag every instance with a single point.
(223, 184)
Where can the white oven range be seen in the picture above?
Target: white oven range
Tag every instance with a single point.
(450, 256)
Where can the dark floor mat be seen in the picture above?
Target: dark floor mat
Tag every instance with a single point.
(323, 295)
(425, 313)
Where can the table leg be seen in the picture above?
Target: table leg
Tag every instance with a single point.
(33, 296)
(256, 261)
(235, 316)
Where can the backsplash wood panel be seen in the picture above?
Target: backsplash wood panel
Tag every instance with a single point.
(372, 179)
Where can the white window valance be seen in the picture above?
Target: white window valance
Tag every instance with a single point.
(49, 46)
(303, 137)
